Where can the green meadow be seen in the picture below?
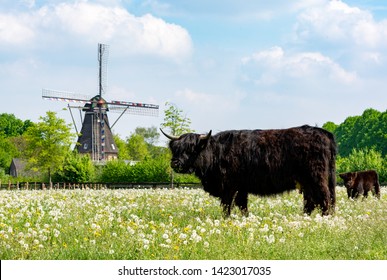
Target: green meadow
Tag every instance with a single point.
(185, 224)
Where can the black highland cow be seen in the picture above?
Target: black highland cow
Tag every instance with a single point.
(232, 164)
(361, 182)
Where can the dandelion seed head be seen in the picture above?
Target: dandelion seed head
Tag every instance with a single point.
(182, 236)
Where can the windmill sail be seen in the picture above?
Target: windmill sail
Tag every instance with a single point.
(66, 96)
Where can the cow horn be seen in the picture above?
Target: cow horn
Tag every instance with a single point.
(169, 136)
(205, 137)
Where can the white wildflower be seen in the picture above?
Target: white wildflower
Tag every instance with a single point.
(265, 228)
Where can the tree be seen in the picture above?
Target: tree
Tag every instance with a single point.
(150, 134)
(48, 142)
(330, 126)
(175, 120)
(137, 148)
(123, 152)
(11, 126)
(7, 152)
(151, 137)
(359, 132)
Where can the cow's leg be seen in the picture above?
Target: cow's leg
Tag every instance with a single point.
(349, 192)
(317, 194)
(241, 202)
(226, 202)
(377, 190)
(322, 198)
(359, 190)
(226, 209)
(309, 203)
(308, 206)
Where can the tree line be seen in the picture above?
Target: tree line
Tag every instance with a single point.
(47, 147)
(362, 142)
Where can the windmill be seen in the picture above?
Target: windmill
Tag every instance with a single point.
(95, 137)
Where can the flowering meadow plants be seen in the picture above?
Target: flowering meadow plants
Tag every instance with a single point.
(184, 224)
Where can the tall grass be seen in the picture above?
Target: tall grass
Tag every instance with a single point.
(184, 224)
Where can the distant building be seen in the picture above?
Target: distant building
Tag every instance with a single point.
(96, 138)
(19, 168)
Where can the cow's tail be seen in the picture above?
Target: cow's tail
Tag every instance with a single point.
(332, 172)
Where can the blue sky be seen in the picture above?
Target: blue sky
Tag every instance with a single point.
(226, 64)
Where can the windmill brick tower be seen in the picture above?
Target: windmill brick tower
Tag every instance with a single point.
(95, 137)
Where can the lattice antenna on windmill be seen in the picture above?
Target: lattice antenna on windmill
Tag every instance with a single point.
(103, 55)
(96, 137)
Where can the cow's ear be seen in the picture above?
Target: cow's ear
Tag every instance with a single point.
(203, 143)
(203, 140)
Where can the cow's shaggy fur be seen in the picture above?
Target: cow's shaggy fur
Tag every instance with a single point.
(232, 164)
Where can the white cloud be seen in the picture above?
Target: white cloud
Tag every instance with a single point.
(194, 97)
(15, 30)
(87, 22)
(274, 66)
(338, 22)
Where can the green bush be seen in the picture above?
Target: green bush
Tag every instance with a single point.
(363, 159)
(114, 171)
(185, 178)
(3, 177)
(76, 168)
(148, 170)
(155, 170)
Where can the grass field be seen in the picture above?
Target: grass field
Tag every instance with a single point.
(184, 224)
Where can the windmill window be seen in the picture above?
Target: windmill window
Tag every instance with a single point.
(85, 146)
(113, 147)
